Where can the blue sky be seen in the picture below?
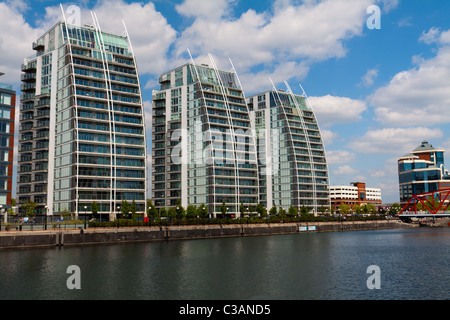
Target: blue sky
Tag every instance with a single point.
(377, 93)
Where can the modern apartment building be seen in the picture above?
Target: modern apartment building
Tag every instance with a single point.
(203, 149)
(291, 157)
(7, 116)
(422, 171)
(82, 130)
(355, 194)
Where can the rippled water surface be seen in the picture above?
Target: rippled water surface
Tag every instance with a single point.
(414, 264)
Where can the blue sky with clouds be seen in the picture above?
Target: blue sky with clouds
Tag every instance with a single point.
(377, 93)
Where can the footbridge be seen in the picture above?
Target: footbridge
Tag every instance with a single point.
(427, 205)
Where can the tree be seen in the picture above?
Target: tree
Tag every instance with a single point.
(133, 208)
(357, 209)
(151, 209)
(11, 210)
(273, 211)
(180, 211)
(394, 209)
(191, 211)
(292, 211)
(282, 213)
(223, 209)
(125, 208)
(344, 208)
(304, 210)
(261, 210)
(94, 209)
(370, 208)
(202, 211)
(322, 209)
(242, 210)
(30, 208)
(172, 212)
(163, 212)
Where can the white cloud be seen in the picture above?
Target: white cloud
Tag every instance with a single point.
(418, 96)
(389, 5)
(15, 41)
(395, 141)
(204, 9)
(332, 110)
(345, 170)
(370, 76)
(339, 156)
(273, 38)
(150, 34)
(430, 36)
(328, 136)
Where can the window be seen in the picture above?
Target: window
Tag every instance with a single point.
(5, 99)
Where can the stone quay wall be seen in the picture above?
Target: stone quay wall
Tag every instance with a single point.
(22, 239)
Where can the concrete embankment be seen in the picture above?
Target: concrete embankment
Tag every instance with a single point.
(21, 239)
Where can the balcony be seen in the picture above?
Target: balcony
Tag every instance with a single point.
(29, 67)
(28, 77)
(27, 96)
(28, 87)
(38, 45)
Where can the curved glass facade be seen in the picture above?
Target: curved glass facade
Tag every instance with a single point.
(203, 147)
(82, 123)
(291, 157)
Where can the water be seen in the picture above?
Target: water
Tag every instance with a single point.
(414, 264)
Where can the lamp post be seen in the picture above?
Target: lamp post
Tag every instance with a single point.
(46, 214)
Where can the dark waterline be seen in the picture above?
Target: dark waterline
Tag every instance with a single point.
(414, 264)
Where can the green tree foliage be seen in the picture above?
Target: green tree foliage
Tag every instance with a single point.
(242, 210)
(125, 208)
(223, 209)
(30, 208)
(273, 211)
(191, 211)
(151, 209)
(292, 211)
(261, 210)
(202, 211)
(94, 209)
(344, 208)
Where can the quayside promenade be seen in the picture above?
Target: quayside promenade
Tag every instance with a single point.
(89, 236)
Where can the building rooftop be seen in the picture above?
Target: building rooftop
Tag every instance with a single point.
(424, 146)
(4, 85)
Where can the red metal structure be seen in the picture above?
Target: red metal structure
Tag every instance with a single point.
(432, 201)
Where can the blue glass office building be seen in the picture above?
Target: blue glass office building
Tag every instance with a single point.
(422, 171)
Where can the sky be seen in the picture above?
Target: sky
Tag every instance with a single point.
(378, 80)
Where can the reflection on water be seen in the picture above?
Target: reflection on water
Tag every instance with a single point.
(413, 262)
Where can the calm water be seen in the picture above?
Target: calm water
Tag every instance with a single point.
(414, 264)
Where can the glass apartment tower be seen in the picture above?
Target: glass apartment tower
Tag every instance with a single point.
(203, 149)
(291, 157)
(82, 131)
(7, 115)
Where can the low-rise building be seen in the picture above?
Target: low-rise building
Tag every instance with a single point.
(355, 194)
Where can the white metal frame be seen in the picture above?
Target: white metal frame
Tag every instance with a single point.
(76, 109)
(308, 143)
(233, 137)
